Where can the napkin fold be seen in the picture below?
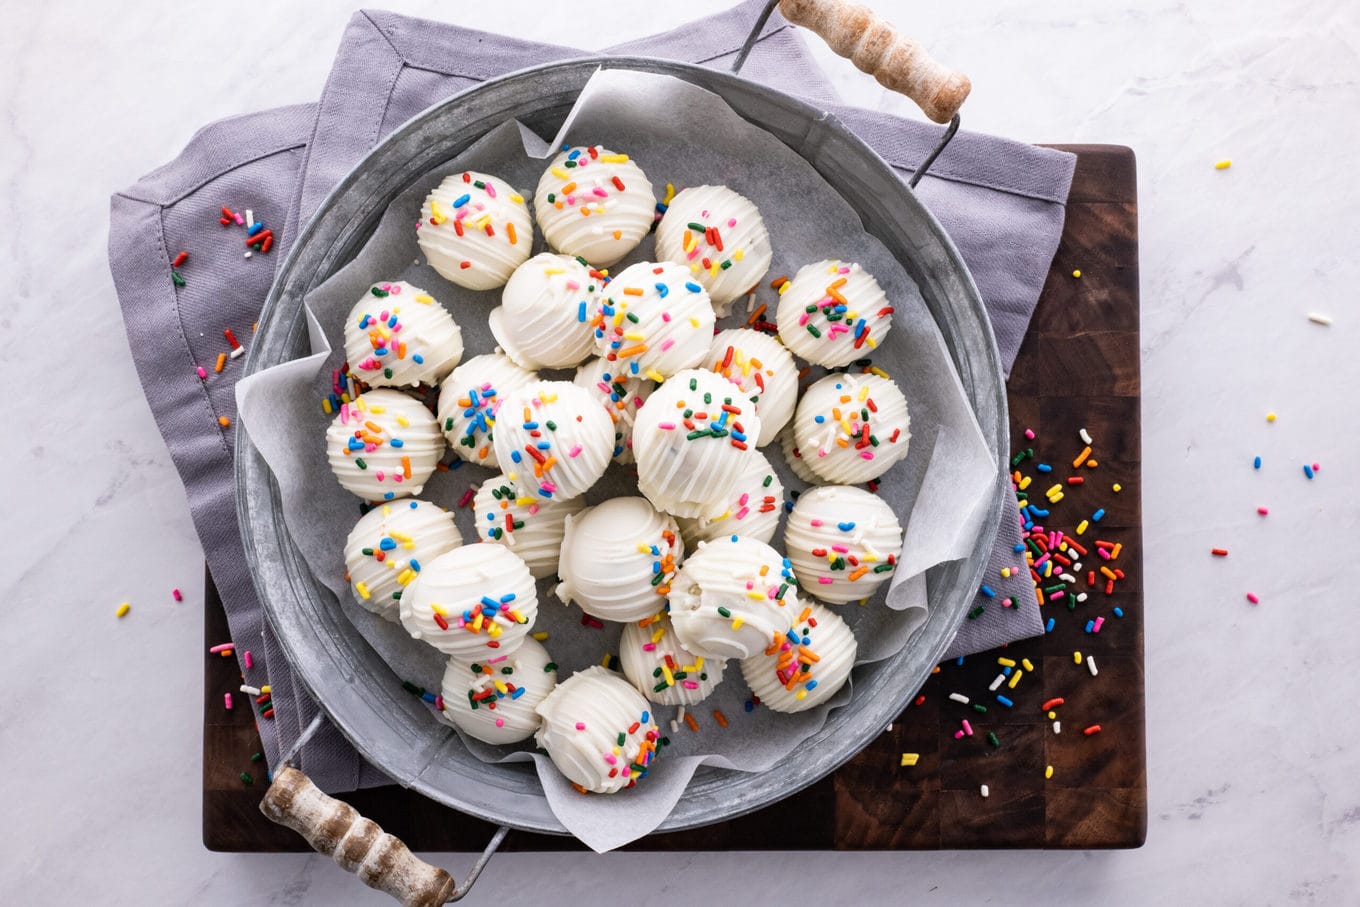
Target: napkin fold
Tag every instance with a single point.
(1002, 203)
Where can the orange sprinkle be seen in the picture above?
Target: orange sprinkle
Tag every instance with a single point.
(632, 291)
(223, 421)
(779, 281)
(755, 316)
(406, 467)
(634, 350)
(510, 232)
(221, 362)
(1081, 457)
(569, 188)
(857, 573)
(693, 725)
(720, 718)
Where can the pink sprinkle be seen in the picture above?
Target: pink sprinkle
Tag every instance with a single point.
(202, 373)
(600, 192)
(649, 647)
(1317, 467)
(1053, 597)
(177, 595)
(731, 222)
(667, 344)
(814, 523)
(626, 771)
(500, 722)
(533, 509)
(490, 190)
(741, 514)
(666, 426)
(1265, 511)
(467, 497)
(1251, 597)
(803, 319)
(1029, 433)
(226, 701)
(666, 317)
(1100, 621)
(240, 221)
(866, 455)
(843, 549)
(967, 728)
(575, 451)
(958, 735)
(224, 647)
(548, 487)
(1007, 603)
(498, 660)
(249, 660)
(690, 685)
(824, 580)
(744, 498)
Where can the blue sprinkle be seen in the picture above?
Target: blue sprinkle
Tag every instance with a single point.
(389, 495)
(646, 716)
(1048, 627)
(812, 684)
(1307, 470)
(490, 602)
(1118, 612)
(387, 544)
(959, 661)
(1019, 547)
(1006, 669)
(544, 493)
(531, 425)
(381, 351)
(427, 696)
(693, 287)
(398, 442)
(1004, 701)
(1090, 625)
(516, 456)
(519, 691)
(1044, 467)
(662, 289)
(507, 598)
(418, 359)
(255, 228)
(749, 706)
(456, 464)
(1037, 512)
(988, 591)
(415, 565)
(415, 504)
(845, 527)
(581, 312)
(819, 419)
(1256, 464)
(461, 200)
(1095, 517)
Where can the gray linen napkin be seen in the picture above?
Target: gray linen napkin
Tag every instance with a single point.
(1001, 201)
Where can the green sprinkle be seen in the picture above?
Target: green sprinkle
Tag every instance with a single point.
(379, 292)
(174, 276)
(883, 568)
(623, 738)
(991, 738)
(698, 433)
(976, 612)
(246, 779)
(698, 227)
(256, 757)
(410, 687)
(632, 316)
(812, 329)
(552, 426)
(358, 461)
(724, 612)
(550, 666)
(387, 373)
(979, 707)
(766, 483)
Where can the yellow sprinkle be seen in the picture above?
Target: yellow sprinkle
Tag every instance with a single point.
(739, 255)
(1005, 572)
(1271, 417)
(604, 662)
(670, 194)
(1077, 273)
(517, 198)
(405, 577)
(424, 298)
(123, 609)
(909, 759)
(265, 689)
(541, 635)
(1076, 657)
(1024, 483)
(1052, 714)
(1081, 527)
(1006, 662)
(362, 589)
(1015, 678)
(1048, 772)
(666, 673)
(326, 406)
(1223, 164)
(1118, 488)
(613, 159)
(559, 173)
(737, 622)
(802, 694)
(655, 375)
(1028, 665)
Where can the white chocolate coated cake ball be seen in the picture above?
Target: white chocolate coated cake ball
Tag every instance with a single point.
(719, 236)
(389, 545)
(383, 445)
(495, 698)
(832, 313)
(399, 335)
(543, 320)
(528, 525)
(469, 400)
(598, 731)
(553, 439)
(594, 203)
(753, 511)
(618, 559)
(843, 542)
(471, 601)
(475, 230)
(661, 668)
(763, 369)
(851, 428)
(804, 666)
(693, 442)
(730, 596)
(655, 316)
(621, 391)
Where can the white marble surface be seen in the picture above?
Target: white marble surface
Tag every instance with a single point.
(1253, 745)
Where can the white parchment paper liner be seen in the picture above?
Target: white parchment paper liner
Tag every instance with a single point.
(687, 136)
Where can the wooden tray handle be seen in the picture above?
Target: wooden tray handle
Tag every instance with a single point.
(898, 63)
(336, 829)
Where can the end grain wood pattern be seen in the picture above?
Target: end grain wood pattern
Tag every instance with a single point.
(1078, 367)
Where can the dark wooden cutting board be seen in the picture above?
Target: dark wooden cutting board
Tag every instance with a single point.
(1078, 368)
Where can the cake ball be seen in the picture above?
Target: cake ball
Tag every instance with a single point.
(752, 512)
(398, 335)
(475, 230)
(833, 313)
(693, 441)
(843, 542)
(621, 391)
(471, 601)
(731, 596)
(851, 428)
(543, 320)
(495, 699)
(655, 317)
(530, 526)
(794, 457)
(618, 559)
(663, 670)
(385, 550)
(759, 365)
(719, 235)
(805, 666)
(598, 731)
(469, 399)
(594, 203)
(553, 439)
(383, 445)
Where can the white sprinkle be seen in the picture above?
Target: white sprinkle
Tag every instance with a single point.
(237, 354)
(889, 730)
(1000, 679)
(959, 697)
(1067, 577)
(249, 690)
(750, 303)
(675, 726)
(1085, 436)
(250, 218)
(986, 791)
(247, 255)
(1076, 568)
(1091, 665)
(1081, 596)
(1319, 318)
(1057, 727)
